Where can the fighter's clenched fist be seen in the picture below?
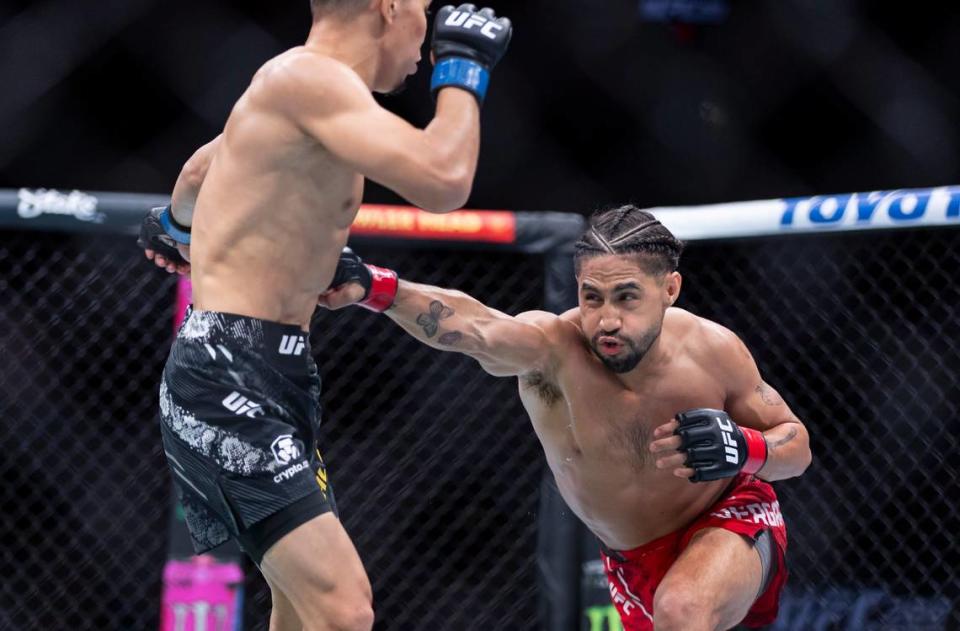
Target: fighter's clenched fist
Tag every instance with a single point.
(467, 44)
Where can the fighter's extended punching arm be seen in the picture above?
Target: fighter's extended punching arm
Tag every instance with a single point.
(452, 320)
(446, 319)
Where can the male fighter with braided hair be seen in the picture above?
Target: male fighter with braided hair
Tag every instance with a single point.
(265, 210)
(634, 399)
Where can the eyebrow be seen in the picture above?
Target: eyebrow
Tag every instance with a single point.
(620, 287)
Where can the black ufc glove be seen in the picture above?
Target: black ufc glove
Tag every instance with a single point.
(467, 44)
(160, 232)
(716, 447)
(379, 284)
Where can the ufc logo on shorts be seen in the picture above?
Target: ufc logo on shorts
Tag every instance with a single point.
(730, 445)
(468, 21)
(241, 405)
(291, 345)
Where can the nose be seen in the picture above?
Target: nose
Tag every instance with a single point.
(609, 321)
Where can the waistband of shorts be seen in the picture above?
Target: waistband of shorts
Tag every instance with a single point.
(671, 538)
(285, 346)
(635, 554)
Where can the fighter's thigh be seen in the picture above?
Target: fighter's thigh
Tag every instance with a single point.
(318, 569)
(713, 583)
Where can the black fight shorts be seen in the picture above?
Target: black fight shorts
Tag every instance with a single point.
(239, 415)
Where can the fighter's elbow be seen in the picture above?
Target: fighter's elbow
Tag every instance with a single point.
(801, 458)
(807, 460)
(474, 341)
(449, 189)
(193, 173)
(195, 169)
(447, 198)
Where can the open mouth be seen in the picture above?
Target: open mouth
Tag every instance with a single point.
(609, 345)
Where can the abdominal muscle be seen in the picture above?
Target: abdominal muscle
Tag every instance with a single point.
(625, 508)
(596, 441)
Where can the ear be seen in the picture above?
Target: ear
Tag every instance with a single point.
(671, 288)
(388, 10)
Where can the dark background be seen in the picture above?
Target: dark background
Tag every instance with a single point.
(592, 105)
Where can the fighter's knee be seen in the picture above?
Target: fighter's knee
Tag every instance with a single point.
(682, 610)
(358, 618)
(353, 614)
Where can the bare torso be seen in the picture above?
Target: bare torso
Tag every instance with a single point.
(273, 214)
(596, 432)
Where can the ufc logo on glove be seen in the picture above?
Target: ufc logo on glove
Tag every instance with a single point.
(467, 44)
(726, 430)
(717, 447)
(468, 21)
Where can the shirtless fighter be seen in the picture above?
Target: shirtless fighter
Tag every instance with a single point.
(633, 400)
(274, 198)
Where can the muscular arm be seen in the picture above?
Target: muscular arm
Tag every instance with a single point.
(182, 202)
(453, 321)
(433, 168)
(191, 177)
(751, 402)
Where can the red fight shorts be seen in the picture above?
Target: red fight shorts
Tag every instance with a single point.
(748, 507)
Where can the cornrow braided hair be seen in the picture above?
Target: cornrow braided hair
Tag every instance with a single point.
(629, 230)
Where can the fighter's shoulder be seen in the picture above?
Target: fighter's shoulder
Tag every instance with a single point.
(303, 79)
(552, 324)
(705, 340)
(557, 329)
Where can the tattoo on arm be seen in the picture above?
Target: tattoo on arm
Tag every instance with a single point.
(451, 338)
(783, 441)
(431, 321)
(768, 394)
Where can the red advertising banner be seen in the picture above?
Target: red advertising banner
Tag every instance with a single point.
(487, 226)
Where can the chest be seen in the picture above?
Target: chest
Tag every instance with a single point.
(322, 185)
(608, 420)
(350, 205)
(341, 192)
(622, 424)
